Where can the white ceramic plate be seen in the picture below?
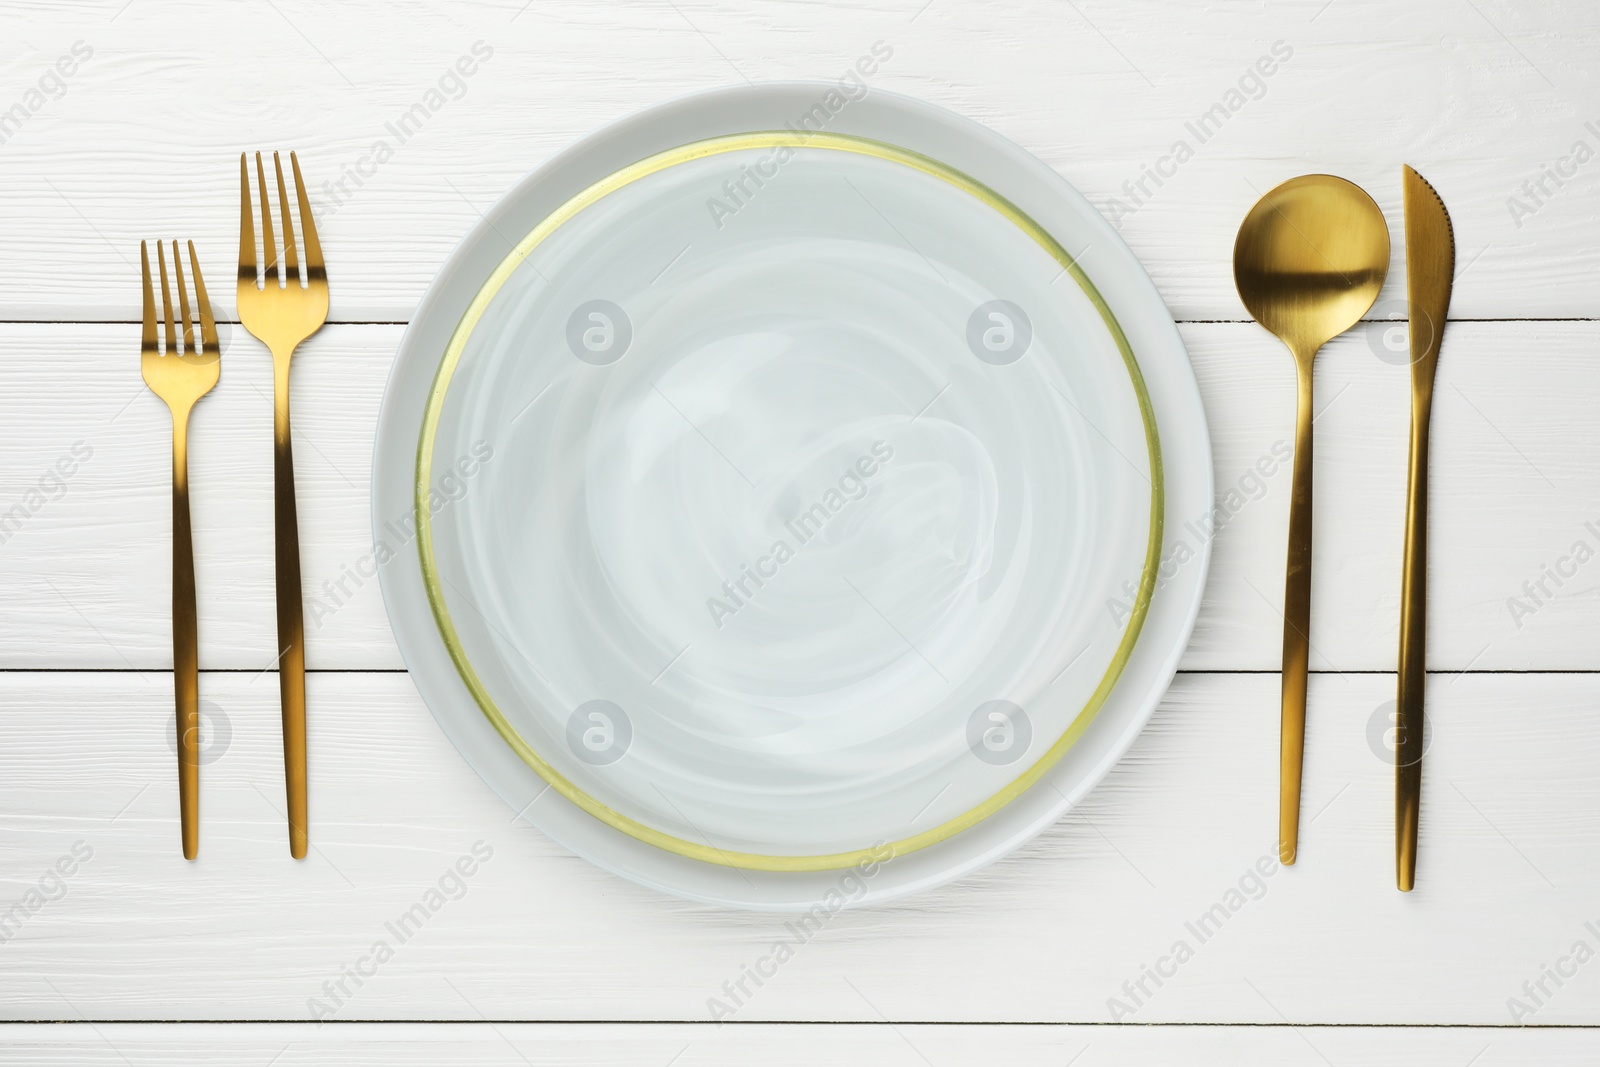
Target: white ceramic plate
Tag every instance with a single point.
(792, 500)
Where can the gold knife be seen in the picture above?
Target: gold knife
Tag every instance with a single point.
(1430, 270)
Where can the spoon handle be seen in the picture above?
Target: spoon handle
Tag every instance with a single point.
(1408, 720)
(1296, 627)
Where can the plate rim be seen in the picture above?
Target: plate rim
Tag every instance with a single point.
(450, 360)
(1175, 391)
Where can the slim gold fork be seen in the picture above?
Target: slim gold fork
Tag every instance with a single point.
(181, 376)
(281, 315)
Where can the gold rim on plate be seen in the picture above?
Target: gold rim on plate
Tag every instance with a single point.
(708, 853)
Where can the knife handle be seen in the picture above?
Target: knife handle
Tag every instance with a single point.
(1409, 722)
(1296, 627)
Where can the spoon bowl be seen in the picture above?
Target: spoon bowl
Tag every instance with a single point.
(1309, 261)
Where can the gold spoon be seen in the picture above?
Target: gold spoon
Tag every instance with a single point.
(1308, 263)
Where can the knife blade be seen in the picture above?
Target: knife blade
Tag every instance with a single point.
(1430, 273)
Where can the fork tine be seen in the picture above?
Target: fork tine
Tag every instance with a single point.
(269, 244)
(208, 325)
(147, 337)
(291, 265)
(183, 301)
(247, 227)
(166, 302)
(315, 270)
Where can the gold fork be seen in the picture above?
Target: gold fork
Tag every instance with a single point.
(281, 316)
(181, 377)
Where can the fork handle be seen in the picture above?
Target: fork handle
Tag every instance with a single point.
(291, 627)
(1410, 734)
(185, 641)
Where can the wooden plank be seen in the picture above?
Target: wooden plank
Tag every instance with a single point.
(87, 573)
(1511, 832)
(141, 140)
(601, 1044)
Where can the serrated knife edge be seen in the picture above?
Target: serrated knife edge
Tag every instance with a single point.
(1430, 267)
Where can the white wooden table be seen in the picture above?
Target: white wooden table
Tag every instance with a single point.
(544, 959)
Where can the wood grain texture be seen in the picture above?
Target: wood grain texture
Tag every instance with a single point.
(1049, 934)
(1481, 98)
(601, 1045)
(1497, 104)
(87, 572)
